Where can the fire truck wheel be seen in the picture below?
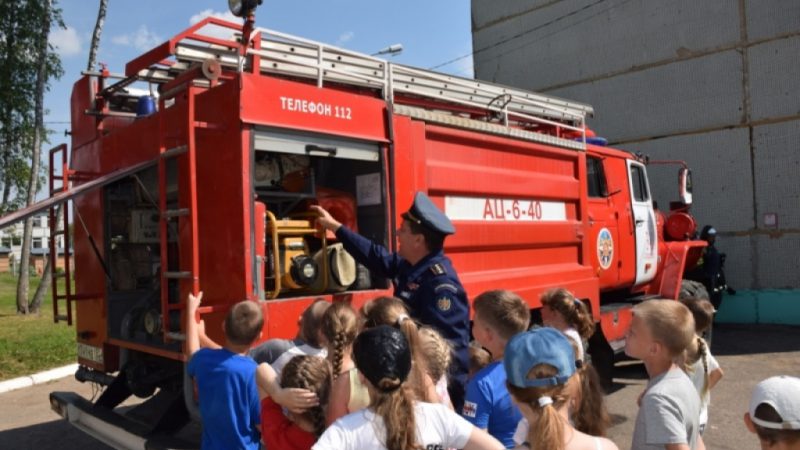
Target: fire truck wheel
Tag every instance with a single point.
(695, 289)
(691, 288)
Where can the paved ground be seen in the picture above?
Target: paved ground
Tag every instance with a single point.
(748, 354)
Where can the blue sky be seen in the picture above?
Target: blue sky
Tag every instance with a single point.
(431, 32)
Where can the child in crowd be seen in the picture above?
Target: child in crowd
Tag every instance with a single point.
(478, 358)
(394, 420)
(668, 416)
(438, 353)
(393, 312)
(562, 311)
(702, 368)
(774, 413)
(340, 326)
(499, 315)
(587, 410)
(297, 430)
(307, 326)
(226, 377)
(540, 365)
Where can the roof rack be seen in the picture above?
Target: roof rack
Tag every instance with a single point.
(291, 56)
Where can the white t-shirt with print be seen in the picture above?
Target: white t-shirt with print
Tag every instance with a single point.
(437, 427)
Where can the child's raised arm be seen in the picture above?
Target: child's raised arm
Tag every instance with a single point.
(192, 329)
(295, 400)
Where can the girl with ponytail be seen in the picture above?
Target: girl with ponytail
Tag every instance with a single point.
(562, 311)
(298, 429)
(702, 368)
(393, 312)
(540, 366)
(339, 326)
(394, 419)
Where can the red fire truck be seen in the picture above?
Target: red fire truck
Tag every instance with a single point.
(203, 182)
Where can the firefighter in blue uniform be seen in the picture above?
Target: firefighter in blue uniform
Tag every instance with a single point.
(423, 277)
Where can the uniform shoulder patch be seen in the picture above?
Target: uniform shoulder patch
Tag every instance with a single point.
(470, 409)
(438, 269)
(444, 303)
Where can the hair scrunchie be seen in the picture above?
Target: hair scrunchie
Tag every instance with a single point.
(545, 400)
(400, 319)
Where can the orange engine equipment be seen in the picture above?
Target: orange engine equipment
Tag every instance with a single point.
(680, 226)
(341, 205)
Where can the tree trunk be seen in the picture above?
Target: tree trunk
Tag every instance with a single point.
(33, 182)
(47, 275)
(98, 30)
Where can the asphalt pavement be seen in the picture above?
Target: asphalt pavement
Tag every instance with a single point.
(747, 354)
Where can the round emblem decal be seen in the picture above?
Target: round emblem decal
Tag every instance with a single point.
(605, 248)
(443, 304)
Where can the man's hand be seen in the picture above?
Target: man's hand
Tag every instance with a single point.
(325, 219)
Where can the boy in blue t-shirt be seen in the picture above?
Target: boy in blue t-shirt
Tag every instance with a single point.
(499, 315)
(226, 377)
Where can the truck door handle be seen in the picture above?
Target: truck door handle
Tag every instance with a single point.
(639, 221)
(331, 151)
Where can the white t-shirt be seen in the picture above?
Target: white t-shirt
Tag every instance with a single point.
(287, 356)
(437, 427)
(572, 333)
(698, 379)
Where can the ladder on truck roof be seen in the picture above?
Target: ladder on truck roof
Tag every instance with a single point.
(421, 92)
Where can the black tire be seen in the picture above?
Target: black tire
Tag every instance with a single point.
(694, 289)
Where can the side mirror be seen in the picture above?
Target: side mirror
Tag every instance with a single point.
(685, 181)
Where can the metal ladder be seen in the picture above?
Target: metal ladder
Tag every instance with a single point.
(185, 217)
(273, 52)
(55, 231)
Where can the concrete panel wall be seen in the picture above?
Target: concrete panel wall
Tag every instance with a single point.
(777, 169)
(778, 263)
(720, 163)
(694, 94)
(775, 78)
(574, 40)
(713, 83)
(769, 18)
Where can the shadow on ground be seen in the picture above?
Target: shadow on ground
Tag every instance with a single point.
(749, 339)
(55, 435)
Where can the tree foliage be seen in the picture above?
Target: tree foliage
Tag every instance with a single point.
(21, 34)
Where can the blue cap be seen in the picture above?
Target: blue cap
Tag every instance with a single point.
(540, 346)
(424, 212)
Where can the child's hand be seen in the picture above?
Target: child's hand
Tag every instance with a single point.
(296, 400)
(194, 302)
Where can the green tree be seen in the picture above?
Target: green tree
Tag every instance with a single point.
(31, 48)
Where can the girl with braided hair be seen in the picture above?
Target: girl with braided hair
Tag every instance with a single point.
(394, 420)
(540, 366)
(698, 363)
(339, 327)
(298, 429)
(393, 312)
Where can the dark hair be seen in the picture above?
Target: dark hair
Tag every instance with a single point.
(340, 327)
(312, 316)
(434, 241)
(703, 312)
(504, 311)
(312, 373)
(766, 412)
(243, 323)
(574, 311)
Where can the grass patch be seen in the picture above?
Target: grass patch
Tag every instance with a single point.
(29, 344)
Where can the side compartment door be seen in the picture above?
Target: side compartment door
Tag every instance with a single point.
(603, 230)
(644, 223)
